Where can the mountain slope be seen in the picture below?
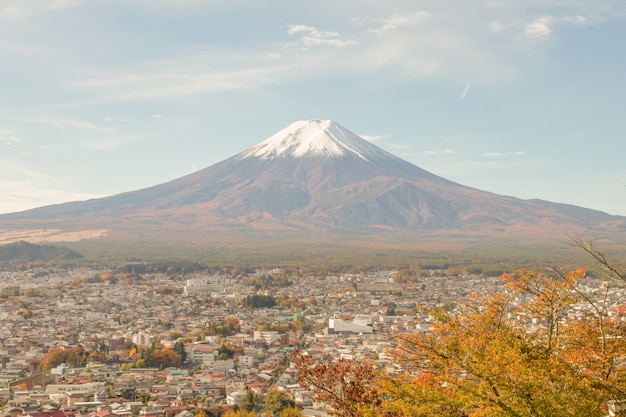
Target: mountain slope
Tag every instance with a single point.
(318, 177)
(25, 251)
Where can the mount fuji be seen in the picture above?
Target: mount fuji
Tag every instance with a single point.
(314, 177)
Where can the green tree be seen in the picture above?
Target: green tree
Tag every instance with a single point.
(146, 397)
(179, 348)
(227, 350)
(249, 401)
(259, 301)
(276, 401)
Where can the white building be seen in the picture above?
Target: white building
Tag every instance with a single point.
(236, 398)
(269, 336)
(219, 366)
(245, 362)
(202, 285)
(341, 326)
(59, 370)
(201, 352)
(141, 339)
(88, 388)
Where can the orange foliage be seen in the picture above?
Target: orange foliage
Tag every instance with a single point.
(348, 386)
(520, 353)
(73, 357)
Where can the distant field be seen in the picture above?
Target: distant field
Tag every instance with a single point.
(478, 251)
(339, 253)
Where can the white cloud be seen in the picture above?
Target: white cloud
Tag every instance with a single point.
(401, 146)
(86, 134)
(8, 137)
(66, 124)
(465, 91)
(440, 152)
(401, 19)
(437, 43)
(315, 37)
(18, 10)
(313, 41)
(499, 154)
(496, 27)
(576, 20)
(292, 29)
(110, 119)
(19, 196)
(107, 143)
(373, 138)
(393, 42)
(176, 82)
(23, 188)
(540, 28)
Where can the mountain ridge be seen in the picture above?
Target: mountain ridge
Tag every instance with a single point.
(317, 177)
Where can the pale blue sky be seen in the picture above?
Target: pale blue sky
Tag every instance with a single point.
(521, 97)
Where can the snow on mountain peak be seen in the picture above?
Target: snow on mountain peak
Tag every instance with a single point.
(314, 138)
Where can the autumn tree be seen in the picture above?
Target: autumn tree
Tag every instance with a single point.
(72, 356)
(26, 314)
(227, 350)
(291, 412)
(482, 363)
(239, 413)
(164, 358)
(230, 327)
(349, 387)
(517, 353)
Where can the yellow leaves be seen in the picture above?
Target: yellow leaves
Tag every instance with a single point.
(485, 360)
(238, 413)
(490, 365)
(544, 288)
(420, 396)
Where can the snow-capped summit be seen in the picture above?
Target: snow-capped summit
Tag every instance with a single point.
(311, 178)
(314, 138)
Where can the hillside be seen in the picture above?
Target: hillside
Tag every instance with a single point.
(24, 251)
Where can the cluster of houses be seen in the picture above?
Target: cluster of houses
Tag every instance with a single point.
(344, 316)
